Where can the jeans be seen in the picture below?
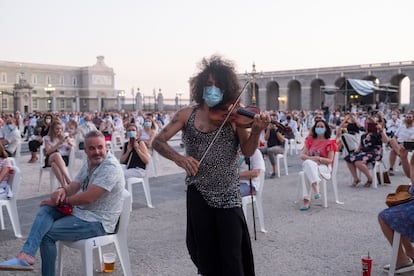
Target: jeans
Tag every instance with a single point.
(50, 226)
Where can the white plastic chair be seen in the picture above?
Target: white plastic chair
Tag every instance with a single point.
(395, 245)
(284, 157)
(117, 141)
(153, 163)
(258, 200)
(377, 167)
(11, 205)
(87, 246)
(324, 183)
(53, 179)
(145, 185)
(18, 149)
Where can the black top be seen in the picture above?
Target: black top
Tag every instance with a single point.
(273, 139)
(136, 161)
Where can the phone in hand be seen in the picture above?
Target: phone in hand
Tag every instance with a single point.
(409, 145)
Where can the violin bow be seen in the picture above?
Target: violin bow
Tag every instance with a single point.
(231, 109)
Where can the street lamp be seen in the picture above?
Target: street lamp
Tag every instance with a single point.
(49, 90)
(252, 75)
(133, 99)
(121, 95)
(1, 104)
(179, 94)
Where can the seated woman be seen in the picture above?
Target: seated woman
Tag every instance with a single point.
(400, 218)
(134, 157)
(57, 150)
(318, 154)
(348, 133)
(5, 166)
(369, 151)
(107, 127)
(37, 141)
(148, 132)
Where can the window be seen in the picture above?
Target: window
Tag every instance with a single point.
(34, 79)
(35, 103)
(62, 103)
(3, 103)
(74, 81)
(18, 76)
(62, 92)
(34, 92)
(48, 79)
(3, 77)
(69, 104)
(62, 80)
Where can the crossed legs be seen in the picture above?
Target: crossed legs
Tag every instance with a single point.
(58, 166)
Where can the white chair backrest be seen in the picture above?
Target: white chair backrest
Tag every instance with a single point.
(262, 181)
(15, 180)
(125, 214)
(335, 163)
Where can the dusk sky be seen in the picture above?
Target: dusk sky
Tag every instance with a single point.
(158, 43)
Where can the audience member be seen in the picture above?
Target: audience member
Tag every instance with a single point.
(368, 151)
(37, 141)
(95, 193)
(318, 155)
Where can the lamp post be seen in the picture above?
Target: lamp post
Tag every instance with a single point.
(179, 94)
(49, 90)
(121, 95)
(252, 76)
(1, 104)
(133, 99)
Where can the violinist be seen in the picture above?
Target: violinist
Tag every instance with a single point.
(275, 141)
(218, 240)
(134, 157)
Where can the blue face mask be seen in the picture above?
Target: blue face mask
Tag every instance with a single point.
(132, 134)
(147, 124)
(10, 127)
(319, 130)
(212, 95)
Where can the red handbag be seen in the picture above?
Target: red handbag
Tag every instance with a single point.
(65, 209)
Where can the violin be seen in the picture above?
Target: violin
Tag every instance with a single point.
(241, 116)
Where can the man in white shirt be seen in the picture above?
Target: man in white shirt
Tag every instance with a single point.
(404, 133)
(257, 165)
(11, 137)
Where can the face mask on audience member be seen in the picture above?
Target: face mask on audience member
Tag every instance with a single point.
(132, 134)
(48, 121)
(147, 124)
(394, 117)
(319, 130)
(10, 127)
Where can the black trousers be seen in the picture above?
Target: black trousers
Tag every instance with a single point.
(217, 239)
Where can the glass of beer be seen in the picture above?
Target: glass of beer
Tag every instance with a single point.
(109, 262)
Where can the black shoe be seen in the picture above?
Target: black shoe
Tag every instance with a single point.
(273, 175)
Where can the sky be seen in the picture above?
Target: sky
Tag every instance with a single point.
(157, 44)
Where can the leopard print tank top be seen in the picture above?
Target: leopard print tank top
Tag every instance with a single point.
(217, 179)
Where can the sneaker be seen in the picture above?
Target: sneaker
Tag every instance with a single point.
(272, 175)
(317, 196)
(391, 172)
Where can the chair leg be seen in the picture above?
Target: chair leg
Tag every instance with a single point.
(325, 197)
(1, 218)
(123, 253)
(87, 257)
(14, 217)
(59, 258)
(278, 166)
(147, 192)
(259, 208)
(374, 176)
(395, 247)
(335, 190)
(286, 166)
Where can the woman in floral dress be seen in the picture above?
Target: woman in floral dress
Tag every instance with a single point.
(369, 151)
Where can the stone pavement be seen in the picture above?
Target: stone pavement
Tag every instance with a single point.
(316, 242)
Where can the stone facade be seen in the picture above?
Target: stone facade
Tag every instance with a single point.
(29, 87)
(304, 88)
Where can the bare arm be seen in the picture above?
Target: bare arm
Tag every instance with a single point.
(160, 142)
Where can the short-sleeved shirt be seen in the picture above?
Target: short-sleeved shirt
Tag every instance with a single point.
(256, 162)
(63, 149)
(404, 134)
(106, 209)
(4, 162)
(320, 147)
